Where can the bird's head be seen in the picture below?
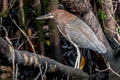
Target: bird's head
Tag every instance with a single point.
(52, 15)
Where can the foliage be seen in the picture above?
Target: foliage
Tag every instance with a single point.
(101, 15)
(4, 13)
(26, 10)
(118, 30)
(45, 4)
(47, 42)
(99, 2)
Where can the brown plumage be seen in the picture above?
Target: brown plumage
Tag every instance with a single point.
(75, 30)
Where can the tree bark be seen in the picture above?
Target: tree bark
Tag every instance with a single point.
(32, 60)
(5, 6)
(22, 16)
(88, 16)
(39, 27)
(108, 23)
(54, 34)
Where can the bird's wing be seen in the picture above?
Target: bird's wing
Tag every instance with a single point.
(83, 36)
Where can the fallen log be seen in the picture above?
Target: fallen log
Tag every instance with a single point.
(27, 59)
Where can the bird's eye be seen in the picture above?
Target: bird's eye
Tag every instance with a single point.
(60, 6)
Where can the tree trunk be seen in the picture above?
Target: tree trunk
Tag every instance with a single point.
(54, 34)
(22, 16)
(39, 27)
(108, 23)
(5, 6)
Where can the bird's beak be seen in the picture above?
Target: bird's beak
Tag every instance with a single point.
(46, 16)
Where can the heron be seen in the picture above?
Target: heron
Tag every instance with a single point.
(76, 31)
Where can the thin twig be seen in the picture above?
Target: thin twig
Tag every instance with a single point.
(114, 20)
(24, 42)
(16, 71)
(102, 70)
(117, 26)
(28, 41)
(12, 3)
(21, 44)
(24, 34)
(116, 41)
(31, 37)
(18, 40)
(115, 7)
(111, 30)
(108, 68)
(116, 1)
(45, 69)
(40, 73)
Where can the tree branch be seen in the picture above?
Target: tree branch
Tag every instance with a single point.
(27, 59)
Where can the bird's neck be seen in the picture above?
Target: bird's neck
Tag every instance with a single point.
(64, 18)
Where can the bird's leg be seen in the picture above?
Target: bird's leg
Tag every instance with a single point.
(77, 63)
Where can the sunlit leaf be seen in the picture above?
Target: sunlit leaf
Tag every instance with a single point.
(47, 42)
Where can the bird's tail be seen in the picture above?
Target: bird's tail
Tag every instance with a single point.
(101, 48)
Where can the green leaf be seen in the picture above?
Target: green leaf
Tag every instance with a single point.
(47, 42)
(99, 2)
(118, 30)
(101, 15)
(4, 13)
